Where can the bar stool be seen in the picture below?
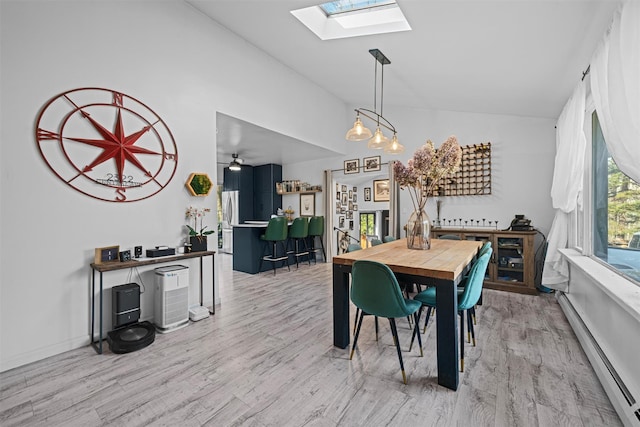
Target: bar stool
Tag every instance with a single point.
(275, 233)
(316, 229)
(298, 233)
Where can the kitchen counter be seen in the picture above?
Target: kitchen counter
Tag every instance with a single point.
(248, 248)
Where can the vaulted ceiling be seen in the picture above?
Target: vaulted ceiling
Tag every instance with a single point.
(517, 57)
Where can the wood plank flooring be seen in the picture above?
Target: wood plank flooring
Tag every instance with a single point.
(266, 359)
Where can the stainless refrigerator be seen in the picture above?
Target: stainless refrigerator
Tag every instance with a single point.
(230, 211)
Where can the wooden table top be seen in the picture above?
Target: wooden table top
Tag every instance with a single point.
(139, 262)
(447, 259)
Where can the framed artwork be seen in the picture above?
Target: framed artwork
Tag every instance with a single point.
(344, 188)
(350, 194)
(349, 215)
(380, 190)
(351, 166)
(367, 194)
(344, 198)
(338, 210)
(341, 222)
(337, 187)
(338, 195)
(350, 225)
(355, 189)
(350, 205)
(307, 204)
(371, 164)
(355, 207)
(355, 198)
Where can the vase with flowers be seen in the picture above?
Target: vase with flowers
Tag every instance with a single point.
(420, 175)
(197, 237)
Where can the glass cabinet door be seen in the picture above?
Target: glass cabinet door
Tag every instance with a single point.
(509, 260)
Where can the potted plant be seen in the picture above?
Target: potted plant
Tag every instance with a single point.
(198, 237)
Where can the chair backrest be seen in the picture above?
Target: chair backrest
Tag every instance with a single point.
(316, 226)
(353, 247)
(375, 290)
(473, 289)
(276, 229)
(388, 239)
(449, 237)
(300, 228)
(485, 247)
(376, 242)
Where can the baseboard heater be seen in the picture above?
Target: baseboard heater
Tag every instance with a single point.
(581, 330)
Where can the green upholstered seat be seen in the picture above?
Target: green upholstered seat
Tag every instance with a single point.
(316, 229)
(275, 233)
(467, 298)
(387, 239)
(354, 247)
(298, 233)
(376, 242)
(375, 290)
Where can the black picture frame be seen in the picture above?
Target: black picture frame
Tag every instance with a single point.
(367, 194)
(371, 164)
(381, 190)
(352, 166)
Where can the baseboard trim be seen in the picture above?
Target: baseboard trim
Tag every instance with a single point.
(22, 359)
(623, 402)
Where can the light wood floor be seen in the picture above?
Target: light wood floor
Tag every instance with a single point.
(266, 359)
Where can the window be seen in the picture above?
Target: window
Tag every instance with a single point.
(367, 227)
(616, 211)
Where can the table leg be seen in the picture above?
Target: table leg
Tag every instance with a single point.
(93, 310)
(100, 333)
(213, 284)
(447, 327)
(341, 305)
(201, 290)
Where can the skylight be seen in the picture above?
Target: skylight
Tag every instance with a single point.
(352, 18)
(342, 6)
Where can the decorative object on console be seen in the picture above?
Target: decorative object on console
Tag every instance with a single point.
(133, 161)
(198, 238)
(359, 132)
(125, 256)
(199, 184)
(422, 172)
(137, 251)
(106, 254)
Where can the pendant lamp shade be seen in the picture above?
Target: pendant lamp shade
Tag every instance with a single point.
(234, 165)
(358, 132)
(394, 147)
(379, 141)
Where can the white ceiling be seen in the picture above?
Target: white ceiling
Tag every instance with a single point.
(517, 57)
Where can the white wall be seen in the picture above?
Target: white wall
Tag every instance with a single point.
(523, 152)
(182, 65)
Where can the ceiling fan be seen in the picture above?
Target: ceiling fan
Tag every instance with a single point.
(235, 163)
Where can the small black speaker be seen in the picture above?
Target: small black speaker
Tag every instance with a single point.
(125, 304)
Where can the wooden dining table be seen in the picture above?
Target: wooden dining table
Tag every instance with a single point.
(443, 266)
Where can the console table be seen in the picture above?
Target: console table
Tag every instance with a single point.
(116, 265)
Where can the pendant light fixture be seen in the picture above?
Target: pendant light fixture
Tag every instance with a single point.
(359, 132)
(235, 164)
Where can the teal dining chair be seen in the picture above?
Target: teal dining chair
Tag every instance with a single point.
(467, 298)
(376, 242)
(387, 239)
(375, 290)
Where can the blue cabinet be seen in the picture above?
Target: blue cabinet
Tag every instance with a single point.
(241, 181)
(266, 200)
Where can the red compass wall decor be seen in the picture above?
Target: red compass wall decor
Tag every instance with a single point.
(106, 144)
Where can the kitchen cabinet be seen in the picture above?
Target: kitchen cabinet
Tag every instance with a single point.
(265, 199)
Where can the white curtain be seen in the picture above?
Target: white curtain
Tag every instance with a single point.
(615, 84)
(566, 188)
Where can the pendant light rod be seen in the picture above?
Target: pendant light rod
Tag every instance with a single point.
(377, 118)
